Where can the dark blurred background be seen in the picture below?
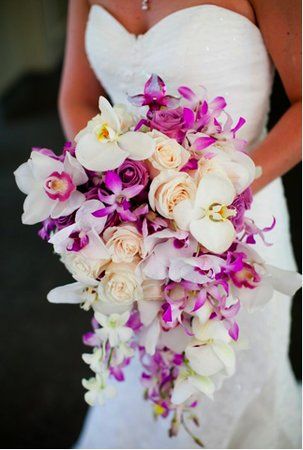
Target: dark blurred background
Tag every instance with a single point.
(42, 402)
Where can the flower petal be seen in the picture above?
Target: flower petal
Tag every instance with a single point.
(65, 208)
(285, 281)
(24, 177)
(203, 360)
(214, 189)
(74, 168)
(108, 114)
(138, 145)
(183, 214)
(217, 237)
(70, 293)
(99, 156)
(37, 207)
(183, 390)
(43, 165)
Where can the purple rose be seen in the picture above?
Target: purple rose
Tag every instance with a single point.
(133, 173)
(173, 122)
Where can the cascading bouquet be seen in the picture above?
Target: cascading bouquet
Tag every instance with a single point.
(148, 215)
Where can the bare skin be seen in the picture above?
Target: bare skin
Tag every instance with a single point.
(280, 25)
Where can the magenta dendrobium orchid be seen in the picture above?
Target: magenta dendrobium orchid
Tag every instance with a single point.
(119, 199)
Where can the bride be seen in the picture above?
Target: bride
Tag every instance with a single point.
(230, 47)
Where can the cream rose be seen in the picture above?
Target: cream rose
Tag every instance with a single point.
(120, 284)
(83, 268)
(168, 153)
(123, 242)
(168, 189)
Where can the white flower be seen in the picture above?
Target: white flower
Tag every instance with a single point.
(104, 144)
(168, 153)
(190, 383)
(86, 295)
(123, 242)
(50, 186)
(123, 351)
(210, 353)
(98, 390)
(168, 189)
(232, 164)
(94, 360)
(271, 279)
(207, 216)
(120, 284)
(113, 328)
(86, 226)
(86, 265)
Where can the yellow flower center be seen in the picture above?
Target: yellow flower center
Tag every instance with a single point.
(103, 133)
(219, 212)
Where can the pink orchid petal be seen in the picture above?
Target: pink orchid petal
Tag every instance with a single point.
(203, 142)
(113, 182)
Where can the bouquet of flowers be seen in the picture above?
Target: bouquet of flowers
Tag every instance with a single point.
(148, 213)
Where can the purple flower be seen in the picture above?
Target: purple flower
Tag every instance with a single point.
(173, 122)
(241, 204)
(154, 96)
(133, 173)
(118, 201)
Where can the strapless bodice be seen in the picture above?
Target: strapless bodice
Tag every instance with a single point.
(201, 45)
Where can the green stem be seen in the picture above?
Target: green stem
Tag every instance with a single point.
(195, 438)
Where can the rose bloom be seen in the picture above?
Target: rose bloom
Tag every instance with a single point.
(170, 122)
(124, 242)
(168, 153)
(133, 173)
(120, 284)
(82, 268)
(168, 189)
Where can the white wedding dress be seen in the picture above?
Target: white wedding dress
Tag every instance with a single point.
(259, 407)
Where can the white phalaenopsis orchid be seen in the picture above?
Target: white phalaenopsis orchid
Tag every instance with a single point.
(98, 390)
(50, 186)
(106, 142)
(207, 217)
(210, 352)
(190, 383)
(234, 165)
(113, 328)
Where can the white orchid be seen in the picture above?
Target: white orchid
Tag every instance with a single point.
(234, 165)
(104, 143)
(50, 186)
(83, 232)
(271, 279)
(84, 294)
(210, 353)
(98, 390)
(95, 359)
(113, 328)
(207, 217)
(190, 383)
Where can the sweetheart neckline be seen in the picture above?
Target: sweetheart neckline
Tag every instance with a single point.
(171, 16)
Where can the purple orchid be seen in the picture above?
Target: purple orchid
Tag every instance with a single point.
(154, 96)
(118, 201)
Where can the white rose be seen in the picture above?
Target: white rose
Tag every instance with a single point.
(123, 243)
(168, 153)
(120, 284)
(168, 189)
(82, 268)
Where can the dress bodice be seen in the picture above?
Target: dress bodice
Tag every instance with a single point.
(201, 45)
